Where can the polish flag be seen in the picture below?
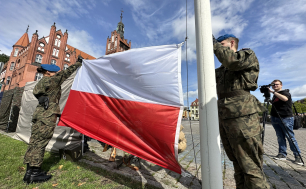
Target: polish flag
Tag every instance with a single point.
(131, 100)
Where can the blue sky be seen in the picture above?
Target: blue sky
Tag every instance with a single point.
(275, 30)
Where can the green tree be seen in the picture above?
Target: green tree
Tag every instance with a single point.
(4, 58)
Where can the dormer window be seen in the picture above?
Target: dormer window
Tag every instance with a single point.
(58, 36)
(41, 44)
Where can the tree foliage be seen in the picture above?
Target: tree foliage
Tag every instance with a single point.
(4, 58)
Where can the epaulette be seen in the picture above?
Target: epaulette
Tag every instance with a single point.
(245, 49)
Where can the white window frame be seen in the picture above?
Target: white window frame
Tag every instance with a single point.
(53, 62)
(16, 52)
(38, 76)
(38, 58)
(54, 51)
(59, 43)
(8, 80)
(65, 66)
(12, 65)
(55, 43)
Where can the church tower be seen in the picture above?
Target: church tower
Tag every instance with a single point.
(117, 43)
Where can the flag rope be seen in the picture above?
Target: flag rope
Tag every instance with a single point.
(194, 153)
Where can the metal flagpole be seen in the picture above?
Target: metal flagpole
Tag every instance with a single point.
(209, 126)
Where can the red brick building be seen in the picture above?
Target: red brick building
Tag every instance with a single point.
(26, 56)
(117, 43)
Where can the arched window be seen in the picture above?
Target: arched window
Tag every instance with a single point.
(54, 52)
(16, 52)
(59, 43)
(116, 42)
(38, 58)
(108, 46)
(55, 43)
(53, 62)
(38, 76)
(112, 38)
(8, 79)
(12, 65)
(66, 66)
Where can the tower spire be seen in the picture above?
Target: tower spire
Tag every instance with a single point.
(121, 15)
(27, 29)
(120, 27)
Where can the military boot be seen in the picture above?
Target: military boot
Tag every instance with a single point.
(27, 175)
(37, 175)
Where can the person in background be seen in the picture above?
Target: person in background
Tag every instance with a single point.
(282, 102)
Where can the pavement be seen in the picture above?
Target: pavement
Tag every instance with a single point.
(280, 174)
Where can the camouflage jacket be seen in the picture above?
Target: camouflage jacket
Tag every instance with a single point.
(51, 87)
(239, 71)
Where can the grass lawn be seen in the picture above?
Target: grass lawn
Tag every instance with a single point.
(66, 174)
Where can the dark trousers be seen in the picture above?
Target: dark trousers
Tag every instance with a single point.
(41, 134)
(244, 150)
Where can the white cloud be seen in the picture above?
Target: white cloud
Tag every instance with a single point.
(299, 91)
(226, 16)
(191, 94)
(40, 15)
(284, 22)
(84, 42)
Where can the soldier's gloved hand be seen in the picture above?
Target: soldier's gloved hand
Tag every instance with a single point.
(80, 59)
(214, 40)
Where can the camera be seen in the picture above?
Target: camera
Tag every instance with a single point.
(264, 89)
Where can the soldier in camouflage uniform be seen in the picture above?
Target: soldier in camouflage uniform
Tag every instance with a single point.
(48, 93)
(239, 125)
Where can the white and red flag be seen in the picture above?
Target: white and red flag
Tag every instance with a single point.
(131, 100)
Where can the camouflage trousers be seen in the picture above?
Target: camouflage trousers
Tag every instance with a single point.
(244, 150)
(42, 132)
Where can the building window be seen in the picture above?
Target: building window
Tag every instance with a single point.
(54, 51)
(116, 43)
(38, 76)
(108, 46)
(112, 38)
(16, 52)
(8, 79)
(55, 43)
(53, 62)
(66, 66)
(38, 58)
(59, 43)
(12, 65)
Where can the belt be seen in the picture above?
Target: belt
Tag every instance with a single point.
(233, 93)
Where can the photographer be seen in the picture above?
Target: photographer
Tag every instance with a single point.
(239, 125)
(282, 102)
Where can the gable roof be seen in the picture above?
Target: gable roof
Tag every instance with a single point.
(195, 103)
(23, 41)
(78, 52)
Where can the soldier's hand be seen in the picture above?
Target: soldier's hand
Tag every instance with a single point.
(214, 40)
(80, 59)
